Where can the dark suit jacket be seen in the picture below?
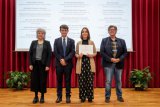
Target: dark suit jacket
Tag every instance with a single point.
(107, 53)
(58, 51)
(46, 54)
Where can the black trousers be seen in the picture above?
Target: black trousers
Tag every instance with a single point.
(60, 72)
(38, 77)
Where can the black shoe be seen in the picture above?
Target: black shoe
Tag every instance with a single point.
(42, 100)
(59, 99)
(35, 100)
(90, 100)
(68, 100)
(120, 99)
(83, 100)
(107, 100)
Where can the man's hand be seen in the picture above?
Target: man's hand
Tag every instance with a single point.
(47, 69)
(63, 62)
(115, 60)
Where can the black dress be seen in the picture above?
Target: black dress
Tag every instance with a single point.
(86, 78)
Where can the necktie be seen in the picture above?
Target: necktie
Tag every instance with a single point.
(64, 46)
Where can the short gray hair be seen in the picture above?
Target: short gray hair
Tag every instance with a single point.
(41, 30)
(110, 26)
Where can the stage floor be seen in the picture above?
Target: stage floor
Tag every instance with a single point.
(149, 98)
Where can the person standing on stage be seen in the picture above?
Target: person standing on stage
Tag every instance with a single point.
(113, 51)
(39, 59)
(85, 67)
(64, 51)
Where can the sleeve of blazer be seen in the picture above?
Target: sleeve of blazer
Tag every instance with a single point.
(49, 49)
(31, 53)
(77, 50)
(94, 49)
(124, 50)
(56, 50)
(102, 52)
(72, 53)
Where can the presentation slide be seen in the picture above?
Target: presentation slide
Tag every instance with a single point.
(97, 15)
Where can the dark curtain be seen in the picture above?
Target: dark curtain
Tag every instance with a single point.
(146, 45)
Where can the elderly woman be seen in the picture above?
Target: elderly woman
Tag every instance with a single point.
(39, 60)
(85, 67)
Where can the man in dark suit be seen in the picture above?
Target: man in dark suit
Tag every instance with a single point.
(64, 50)
(113, 51)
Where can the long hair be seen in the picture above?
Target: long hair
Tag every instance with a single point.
(87, 32)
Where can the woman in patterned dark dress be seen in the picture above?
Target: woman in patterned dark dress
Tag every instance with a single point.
(85, 67)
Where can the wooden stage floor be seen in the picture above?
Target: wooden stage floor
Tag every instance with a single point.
(149, 98)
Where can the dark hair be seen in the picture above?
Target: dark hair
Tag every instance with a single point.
(87, 32)
(63, 27)
(115, 27)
